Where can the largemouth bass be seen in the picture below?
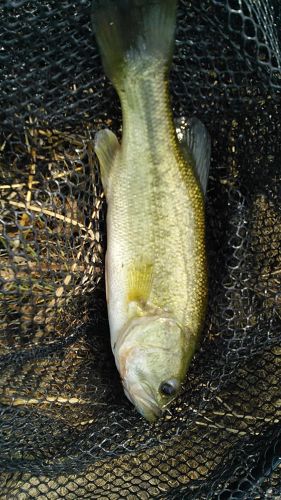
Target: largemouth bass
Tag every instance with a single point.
(156, 272)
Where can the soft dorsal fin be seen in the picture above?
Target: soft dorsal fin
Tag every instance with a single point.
(106, 146)
(195, 140)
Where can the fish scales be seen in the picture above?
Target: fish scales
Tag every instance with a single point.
(156, 271)
(155, 208)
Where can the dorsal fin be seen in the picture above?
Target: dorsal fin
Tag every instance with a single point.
(195, 140)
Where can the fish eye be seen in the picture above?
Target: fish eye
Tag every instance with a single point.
(169, 387)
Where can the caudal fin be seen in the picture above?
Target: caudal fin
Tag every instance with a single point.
(132, 32)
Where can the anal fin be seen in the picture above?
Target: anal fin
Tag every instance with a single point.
(106, 146)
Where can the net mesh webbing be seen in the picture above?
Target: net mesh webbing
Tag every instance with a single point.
(67, 430)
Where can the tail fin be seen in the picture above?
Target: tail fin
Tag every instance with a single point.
(129, 32)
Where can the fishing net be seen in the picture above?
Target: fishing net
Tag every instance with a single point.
(67, 430)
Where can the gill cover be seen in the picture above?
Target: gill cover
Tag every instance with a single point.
(152, 355)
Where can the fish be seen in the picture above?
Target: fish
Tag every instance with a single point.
(154, 183)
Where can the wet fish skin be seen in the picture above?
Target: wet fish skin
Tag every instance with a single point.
(156, 269)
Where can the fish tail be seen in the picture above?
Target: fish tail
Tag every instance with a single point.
(131, 34)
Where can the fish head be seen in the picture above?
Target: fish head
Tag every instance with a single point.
(152, 356)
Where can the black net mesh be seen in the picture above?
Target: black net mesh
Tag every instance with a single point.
(67, 430)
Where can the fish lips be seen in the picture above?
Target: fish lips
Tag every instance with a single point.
(144, 403)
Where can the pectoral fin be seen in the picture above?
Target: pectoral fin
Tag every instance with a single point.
(139, 282)
(106, 146)
(195, 142)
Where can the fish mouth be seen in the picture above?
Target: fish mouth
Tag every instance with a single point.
(149, 409)
(145, 404)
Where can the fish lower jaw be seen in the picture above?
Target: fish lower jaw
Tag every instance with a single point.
(147, 408)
